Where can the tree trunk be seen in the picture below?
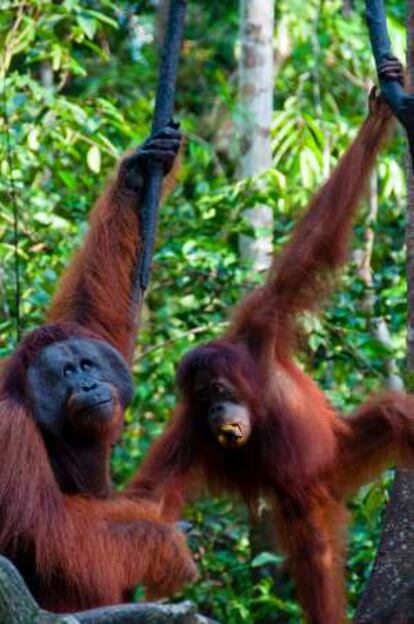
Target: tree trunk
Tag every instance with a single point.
(256, 100)
(388, 597)
(393, 574)
(17, 606)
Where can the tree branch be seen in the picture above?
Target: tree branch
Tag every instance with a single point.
(17, 606)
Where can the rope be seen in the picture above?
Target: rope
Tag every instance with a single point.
(164, 108)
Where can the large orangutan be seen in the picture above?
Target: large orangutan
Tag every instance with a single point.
(251, 422)
(62, 398)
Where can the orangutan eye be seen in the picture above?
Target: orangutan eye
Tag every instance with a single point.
(218, 389)
(68, 370)
(86, 365)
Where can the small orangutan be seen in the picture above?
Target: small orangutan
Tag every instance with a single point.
(251, 422)
(63, 394)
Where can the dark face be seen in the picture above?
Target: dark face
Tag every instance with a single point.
(78, 386)
(228, 416)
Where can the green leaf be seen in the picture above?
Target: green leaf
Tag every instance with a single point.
(266, 558)
(33, 139)
(93, 158)
(87, 23)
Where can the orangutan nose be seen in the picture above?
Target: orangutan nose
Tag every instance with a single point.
(88, 385)
(216, 410)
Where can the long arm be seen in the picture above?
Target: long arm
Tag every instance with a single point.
(320, 242)
(78, 552)
(96, 290)
(300, 276)
(168, 472)
(378, 435)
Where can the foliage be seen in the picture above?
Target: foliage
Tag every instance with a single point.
(77, 84)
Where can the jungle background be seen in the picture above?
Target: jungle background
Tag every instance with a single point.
(77, 89)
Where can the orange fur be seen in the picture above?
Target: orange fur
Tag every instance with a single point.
(95, 291)
(81, 552)
(301, 454)
(74, 551)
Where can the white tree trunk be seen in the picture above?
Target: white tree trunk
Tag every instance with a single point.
(256, 100)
